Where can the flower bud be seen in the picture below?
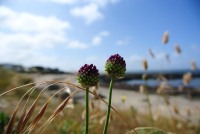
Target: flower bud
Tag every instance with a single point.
(88, 75)
(116, 66)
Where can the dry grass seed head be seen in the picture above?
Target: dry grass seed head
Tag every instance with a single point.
(83, 115)
(92, 105)
(162, 88)
(175, 108)
(177, 49)
(179, 125)
(151, 53)
(102, 120)
(165, 38)
(141, 89)
(180, 88)
(187, 77)
(145, 64)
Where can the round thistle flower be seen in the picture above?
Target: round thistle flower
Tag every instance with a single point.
(116, 66)
(88, 75)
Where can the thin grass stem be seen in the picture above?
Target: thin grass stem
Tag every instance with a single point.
(99, 98)
(149, 103)
(55, 113)
(87, 110)
(109, 105)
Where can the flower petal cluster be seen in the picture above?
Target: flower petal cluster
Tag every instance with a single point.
(88, 75)
(116, 66)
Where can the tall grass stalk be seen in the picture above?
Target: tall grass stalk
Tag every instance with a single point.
(109, 105)
(148, 102)
(56, 111)
(87, 110)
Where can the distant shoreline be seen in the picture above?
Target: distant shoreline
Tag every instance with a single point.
(170, 75)
(172, 90)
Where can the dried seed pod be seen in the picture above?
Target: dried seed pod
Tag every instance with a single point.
(145, 77)
(187, 77)
(162, 88)
(145, 64)
(175, 108)
(179, 125)
(102, 120)
(177, 49)
(165, 38)
(141, 89)
(83, 115)
(92, 105)
(180, 88)
(166, 99)
(151, 53)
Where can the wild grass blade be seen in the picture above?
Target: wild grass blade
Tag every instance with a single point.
(12, 120)
(23, 115)
(41, 112)
(10, 126)
(33, 83)
(32, 108)
(56, 112)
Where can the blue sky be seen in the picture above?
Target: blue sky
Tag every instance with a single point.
(69, 33)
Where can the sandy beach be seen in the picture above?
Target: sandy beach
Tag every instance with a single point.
(187, 109)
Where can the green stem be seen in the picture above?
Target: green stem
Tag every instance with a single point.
(149, 103)
(109, 105)
(87, 110)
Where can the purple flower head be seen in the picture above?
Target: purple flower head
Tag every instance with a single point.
(88, 75)
(116, 66)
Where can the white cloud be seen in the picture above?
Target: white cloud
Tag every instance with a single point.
(90, 13)
(92, 59)
(97, 39)
(89, 10)
(27, 41)
(161, 56)
(25, 38)
(62, 1)
(195, 47)
(103, 3)
(104, 33)
(26, 22)
(122, 42)
(76, 44)
(70, 2)
(136, 58)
